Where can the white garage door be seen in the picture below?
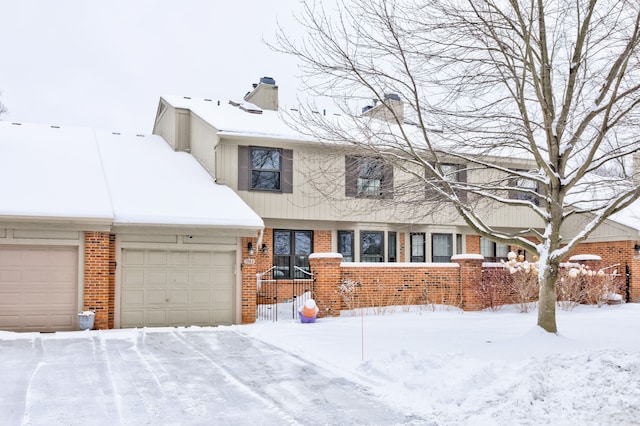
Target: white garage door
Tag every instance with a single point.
(38, 288)
(176, 288)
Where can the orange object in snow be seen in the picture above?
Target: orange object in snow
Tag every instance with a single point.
(309, 309)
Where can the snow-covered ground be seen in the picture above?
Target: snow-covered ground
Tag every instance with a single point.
(421, 366)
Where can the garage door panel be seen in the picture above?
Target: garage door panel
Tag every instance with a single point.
(185, 290)
(178, 297)
(223, 259)
(156, 318)
(179, 258)
(155, 277)
(200, 317)
(179, 278)
(202, 278)
(58, 259)
(156, 297)
(10, 276)
(133, 317)
(38, 288)
(133, 257)
(221, 316)
(133, 277)
(10, 299)
(177, 317)
(221, 299)
(156, 258)
(133, 298)
(202, 259)
(200, 297)
(10, 258)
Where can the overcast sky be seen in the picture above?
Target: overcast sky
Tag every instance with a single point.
(106, 63)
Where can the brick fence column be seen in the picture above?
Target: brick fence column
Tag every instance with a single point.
(96, 277)
(326, 273)
(470, 278)
(249, 282)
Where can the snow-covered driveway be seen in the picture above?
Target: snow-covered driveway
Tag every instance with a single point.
(173, 376)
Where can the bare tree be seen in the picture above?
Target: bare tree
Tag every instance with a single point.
(553, 83)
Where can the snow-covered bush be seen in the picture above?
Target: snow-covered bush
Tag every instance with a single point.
(523, 283)
(580, 284)
(347, 291)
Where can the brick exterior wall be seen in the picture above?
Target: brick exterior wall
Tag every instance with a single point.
(393, 284)
(321, 241)
(326, 272)
(410, 283)
(400, 284)
(402, 250)
(390, 283)
(616, 255)
(473, 244)
(98, 282)
(112, 280)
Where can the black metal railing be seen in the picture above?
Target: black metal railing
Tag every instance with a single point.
(282, 298)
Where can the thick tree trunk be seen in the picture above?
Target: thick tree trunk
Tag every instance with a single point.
(548, 280)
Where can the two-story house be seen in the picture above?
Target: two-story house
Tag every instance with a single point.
(322, 197)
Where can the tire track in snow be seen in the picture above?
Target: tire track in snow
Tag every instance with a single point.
(39, 350)
(233, 380)
(309, 393)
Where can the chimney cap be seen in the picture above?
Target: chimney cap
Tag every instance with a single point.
(267, 80)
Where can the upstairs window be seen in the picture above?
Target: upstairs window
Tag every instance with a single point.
(455, 173)
(524, 189)
(368, 177)
(265, 169)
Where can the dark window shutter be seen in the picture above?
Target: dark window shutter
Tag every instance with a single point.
(350, 175)
(387, 181)
(243, 168)
(513, 193)
(462, 177)
(286, 182)
(430, 194)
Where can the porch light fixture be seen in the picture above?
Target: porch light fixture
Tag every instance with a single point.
(250, 247)
(265, 249)
(637, 248)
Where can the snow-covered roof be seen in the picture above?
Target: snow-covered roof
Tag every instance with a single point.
(80, 173)
(629, 217)
(53, 172)
(240, 119)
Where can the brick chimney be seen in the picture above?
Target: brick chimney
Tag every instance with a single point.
(264, 94)
(381, 110)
